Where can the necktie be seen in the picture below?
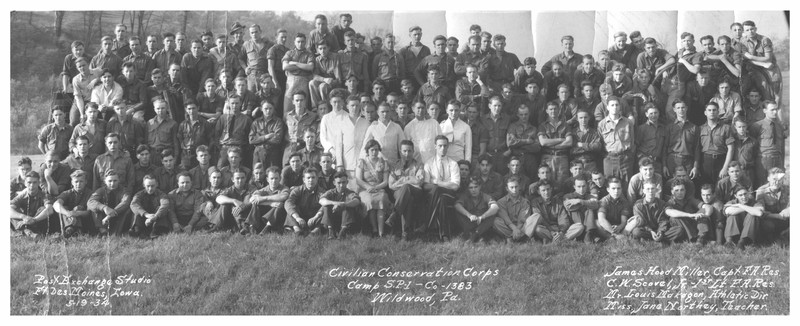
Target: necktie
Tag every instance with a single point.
(231, 121)
(441, 170)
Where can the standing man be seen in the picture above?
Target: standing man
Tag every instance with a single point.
(298, 121)
(321, 33)
(55, 136)
(388, 66)
(502, 64)
(715, 150)
(162, 131)
(651, 137)
(623, 52)
(192, 132)
(114, 158)
(196, 67)
(274, 56)
(680, 141)
(388, 134)
(474, 57)
(266, 135)
(413, 53)
(167, 56)
(345, 19)
(570, 60)
(106, 59)
(298, 64)
(231, 130)
(556, 138)
(457, 132)
(771, 135)
(618, 136)
(497, 124)
(760, 63)
(143, 62)
(327, 75)
(439, 58)
(353, 61)
(253, 58)
(523, 141)
(422, 131)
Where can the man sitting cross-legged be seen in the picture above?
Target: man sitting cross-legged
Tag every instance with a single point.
(268, 211)
(339, 207)
(476, 210)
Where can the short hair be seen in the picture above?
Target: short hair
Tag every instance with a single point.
(452, 38)
(167, 152)
(201, 149)
(350, 34)
(736, 24)
(33, 174)
(273, 169)
(575, 163)
(567, 38)
(406, 82)
(293, 154)
(708, 186)
(645, 161)
(106, 38)
(441, 137)
(712, 103)
(346, 15)
(464, 162)
(198, 41)
(749, 23)
(511, 179)
(207, 33)
(614, 98)
(686, 34)
(167, 34)
(439, 38)
(474, 27)
(142, 148)
(321, 16)
(213, 169)
(677, 182)
(311, 171)
(474, 37)
(339, 175)
(636, 34)
(111, 135)
(586, 83)
(76, 44)
(149, 177)
(183, 174)
(678, 101)
(588, 56)
(372, 143)
(579, 178)
(649, 40)
(281, 30)
(768, 102)
(545, 183)
(300, 35)
(484, 157)
(24, 160)
(620, 34)
(258, 166)
(613, 180)
(776, 170)
(486, 34)
(734, 164)
(529, 61)
(499, 37)
(111, 173)
(602, 52)
(533, 81)
(134, 38)
(707, 37)
(234, 150)
(476, 180)
(300, 92)
(723, 37)
(406, 142)
(737, 188)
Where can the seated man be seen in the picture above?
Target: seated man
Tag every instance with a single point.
(405, 179)
(24, 165)
(708, 197)
(549, 220)
(698, 217)
(725, 186)
(442, 179)
(212, 191)
(612, 216)
(577, 170)
(515, 170)
(292, 175)
(54, 174)
(646, 173)
(72, 209)
(582, 208)
(681, 174)
(31, 211)
(514, 210)
(475, 210)
(233, 207)
(199, 173)
(303, 211)
(339, 207)
(744, 217)
(259, 179)
(491, 181)
(650, 222)
(166, 174)
(236, 165)
(268, 211)
(598, 186)
(110, 205)
(774, 198)
(187, 205)
(150, 208)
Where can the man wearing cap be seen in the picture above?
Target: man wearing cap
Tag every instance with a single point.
(570, 60)
(253, 57)
(413, 53)
(237, 31)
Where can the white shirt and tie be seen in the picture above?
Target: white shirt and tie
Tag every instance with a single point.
(442, 169)
(460, 136)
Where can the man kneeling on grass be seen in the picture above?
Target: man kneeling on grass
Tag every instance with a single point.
(267, 202)
(339, 207)
(475, 210)
(303, 207)
(187, 205)
(150, 208)
(71, 207)
(110, 205)
(233, 206)
(31, 211)
(514, 211)
(649, 220)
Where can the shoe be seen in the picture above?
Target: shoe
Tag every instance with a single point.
(743, 243)
(509, 241)
(343, 233)
(331, 234)
(70, 232)
(391, 218)
(134, 232)
(703, 241)
(474, 237)
(316, 231)
(404, 236)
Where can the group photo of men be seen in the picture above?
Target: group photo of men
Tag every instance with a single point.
(331, 133)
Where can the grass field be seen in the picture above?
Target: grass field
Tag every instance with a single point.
(230, 274)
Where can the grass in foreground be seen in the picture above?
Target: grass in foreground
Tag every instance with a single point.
(279, 274)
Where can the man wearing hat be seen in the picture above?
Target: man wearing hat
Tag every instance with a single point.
(237, 30)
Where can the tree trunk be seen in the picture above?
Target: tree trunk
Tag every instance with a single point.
(122, 20)
(100, 23)
(141, 24)
(132, 20)
(57, 24)
(185, 21)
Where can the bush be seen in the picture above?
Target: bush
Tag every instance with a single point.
(30, 107)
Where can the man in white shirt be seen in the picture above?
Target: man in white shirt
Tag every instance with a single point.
(442, 179)
(388, 133)
(422, 131)
(351, 136)
(105, 93)
(458, 132)
(331, 122)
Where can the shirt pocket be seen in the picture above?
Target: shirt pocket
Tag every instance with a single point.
(705, 139)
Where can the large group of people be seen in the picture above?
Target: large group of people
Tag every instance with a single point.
(333, 135)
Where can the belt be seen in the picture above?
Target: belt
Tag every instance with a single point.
(714, 156)
(680, 155)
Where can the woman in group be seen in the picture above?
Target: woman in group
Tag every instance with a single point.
(372, 175)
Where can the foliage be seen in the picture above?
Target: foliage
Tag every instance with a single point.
(30, 107)
(225, 274)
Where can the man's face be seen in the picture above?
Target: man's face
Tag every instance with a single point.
(649, 191)
(299, 101)
(390, 42)
(523, 113)
(51, 161)
(771, 111)
(353, 106)
(707, 196)
(472, 113)
(184, 183)
(350, 42)
(680, 110)
(322, 49)
(215, 179)
(235, 159)
(532, 89)
(598, 179)
(576, 170)
(474, 189)
(419, 110)
(402, 111)
(157, 79)
(59, 117)
(112, 182)
(463, 170)
(485, 167)
(180, 40)
(546, 191)
(603, 59)
(615, 189)
(734, 172)
(295, 163)
(281, 38)
(563, 94)
(687, 42)
(144, 157)
(106, 45)
(499, 45)
(529, 69)
(378, 90)
(191, 112)
(679, 192)
(32, 184)
(121, 110)
(310, 139)
(433, 76)
(736, 31)
(337, 103)
(583, 118)
(237, 36)
(708, 45)
(129, 73)
(210, 87)
(151, 42)
(371, 113)
(681, 174)
(23, 169)
(513, 188)
(340, 183)
(712, 112)
(650, 49)
(207, 40)
(320, 24)
(168, 162)
(472, 73)
(741, 128)
(440, 46)
(754, 97)
(376, 45)
(299, 43)
(567, 45)
(169, 43)
(233, 105)
(174, 72)
(407, 152)
(83, 68)
(240, 86)
(588, 65)
(652, 115)
(197, 48)
(310, 180)
(724, 44)
(474, 45)
(351, 83)
(149, 186)
(557, 70)
(326, 162)
(416, 35)
(742, 196)
(486, 43)
(161, 109)
(580, 187)
(433, 111)
(91, 114)
(258, 174)
(620, 41)
(441, 147)
(268, 110)
(638, 42)
(496, 106)
(203, 158)
(452, 112)
(617, 76)
(514, 166)
(112, 144)
(613, 107)
(136, 46)
(452, 46)
(647, 171)
(273, 178)
(544, 173)
(552, 112)
(238, 180)
(107, 79)
(749, 31)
